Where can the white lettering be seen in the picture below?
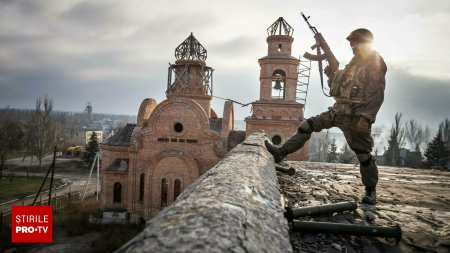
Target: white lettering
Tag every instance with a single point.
(30, 230)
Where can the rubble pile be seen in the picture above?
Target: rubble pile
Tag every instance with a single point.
(418, 200)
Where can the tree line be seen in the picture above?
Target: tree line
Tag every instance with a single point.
(421, 153)
(34, 133)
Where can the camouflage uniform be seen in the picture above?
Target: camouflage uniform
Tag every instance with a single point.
(359, 93)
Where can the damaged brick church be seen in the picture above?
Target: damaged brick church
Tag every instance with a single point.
(147, 165)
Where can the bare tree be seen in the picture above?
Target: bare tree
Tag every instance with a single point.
(395, 142)
(40, 136)
(426, 138)
(444, 128)
(417, 135)
(413, 132)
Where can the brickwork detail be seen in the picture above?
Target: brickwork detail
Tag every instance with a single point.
(278, 115)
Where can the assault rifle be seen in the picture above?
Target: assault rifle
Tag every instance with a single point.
(321, 44)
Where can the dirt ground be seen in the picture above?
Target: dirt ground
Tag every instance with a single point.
(416, 199)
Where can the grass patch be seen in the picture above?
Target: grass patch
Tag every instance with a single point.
(22, 187)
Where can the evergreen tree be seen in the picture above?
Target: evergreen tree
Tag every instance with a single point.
(437, 153)
(91, 149)
(332, 155)
(347, 156)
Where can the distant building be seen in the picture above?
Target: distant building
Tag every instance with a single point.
(409, 158)
(98, 133)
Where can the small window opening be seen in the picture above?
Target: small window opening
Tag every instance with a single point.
(178, 127)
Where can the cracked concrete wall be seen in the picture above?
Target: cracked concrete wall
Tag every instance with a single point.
(234, 207)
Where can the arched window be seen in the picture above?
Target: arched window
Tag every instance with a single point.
(177, 188)
(278, 84)
(164, 191)
(117, 195)
(141, 187)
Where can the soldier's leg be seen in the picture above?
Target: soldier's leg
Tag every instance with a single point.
(361, 142)
(298, 140)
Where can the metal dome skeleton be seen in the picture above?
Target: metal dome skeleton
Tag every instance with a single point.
(191, 49)
(280, 27)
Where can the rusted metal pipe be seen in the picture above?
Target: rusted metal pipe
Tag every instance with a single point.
(348, 229)
(288, 171)
(291, 214)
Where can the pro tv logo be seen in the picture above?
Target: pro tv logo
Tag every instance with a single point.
(31, 224)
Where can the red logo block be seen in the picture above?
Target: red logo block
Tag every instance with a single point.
(31, 224)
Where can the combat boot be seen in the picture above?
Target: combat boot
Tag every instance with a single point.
(370, 197)
(278, 153)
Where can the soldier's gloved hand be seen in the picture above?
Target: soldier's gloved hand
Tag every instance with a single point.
(363, 126)
(327, 70)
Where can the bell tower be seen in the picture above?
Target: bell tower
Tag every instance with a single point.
(278, 76)
(192, 77)
(277, 111)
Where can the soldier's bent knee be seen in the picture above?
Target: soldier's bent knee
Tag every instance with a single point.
(306, 127)
(364, 159)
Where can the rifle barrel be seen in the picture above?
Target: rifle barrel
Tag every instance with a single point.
(313, 29)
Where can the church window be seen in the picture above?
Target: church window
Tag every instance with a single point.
(117, 195)
(141, 187)
(177, 188)
(164, 192)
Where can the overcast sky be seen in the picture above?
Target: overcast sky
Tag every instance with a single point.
(114, 54)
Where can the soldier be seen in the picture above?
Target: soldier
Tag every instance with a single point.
(359, 92)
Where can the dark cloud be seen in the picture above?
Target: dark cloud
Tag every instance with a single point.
(425, 99)
(95, 15)
(114, 56)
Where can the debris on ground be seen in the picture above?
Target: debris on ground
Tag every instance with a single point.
(416, 199)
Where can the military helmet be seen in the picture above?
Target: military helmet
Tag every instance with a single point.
(360, 35)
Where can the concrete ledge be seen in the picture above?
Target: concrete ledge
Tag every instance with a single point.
(234, 207)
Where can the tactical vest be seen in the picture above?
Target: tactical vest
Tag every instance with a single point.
(349, 84)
